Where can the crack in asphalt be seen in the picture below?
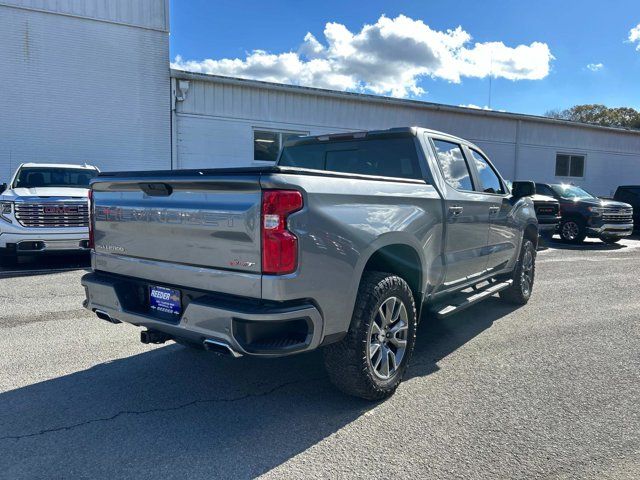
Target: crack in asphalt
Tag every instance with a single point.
(159, 410)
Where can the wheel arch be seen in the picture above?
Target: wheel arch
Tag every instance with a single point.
(399, 259)
(531, 233)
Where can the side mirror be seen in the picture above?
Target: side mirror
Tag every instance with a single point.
(523, 189)
(3, 187)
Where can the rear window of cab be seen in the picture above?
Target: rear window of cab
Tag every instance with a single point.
(388, 157)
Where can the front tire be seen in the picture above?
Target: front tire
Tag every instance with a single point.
(371, 360)
(519, 292)
(573, 230)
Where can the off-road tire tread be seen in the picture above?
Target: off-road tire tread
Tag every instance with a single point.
(345, 361)
(513, 294)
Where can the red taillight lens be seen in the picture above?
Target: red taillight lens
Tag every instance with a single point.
(91, 221)
(279, 245)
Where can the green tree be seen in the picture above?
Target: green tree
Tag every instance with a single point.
(625, 117)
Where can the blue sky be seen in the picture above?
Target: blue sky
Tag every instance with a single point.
(386, 59)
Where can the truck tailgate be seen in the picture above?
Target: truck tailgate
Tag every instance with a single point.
(194, 221)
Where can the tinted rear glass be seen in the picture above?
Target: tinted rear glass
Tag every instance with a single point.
(389, 157)
(632, 190)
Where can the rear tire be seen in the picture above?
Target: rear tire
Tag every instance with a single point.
(519, 292)
(573, 230)
(371, 360)
(611, 240)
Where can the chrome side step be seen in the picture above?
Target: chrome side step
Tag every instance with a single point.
(462, 301)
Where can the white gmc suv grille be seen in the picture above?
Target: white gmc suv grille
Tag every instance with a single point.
(53, 215)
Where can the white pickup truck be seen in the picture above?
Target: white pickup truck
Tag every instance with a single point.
(44, 210)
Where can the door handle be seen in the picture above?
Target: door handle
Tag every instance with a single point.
(455, 210)
(494, 210)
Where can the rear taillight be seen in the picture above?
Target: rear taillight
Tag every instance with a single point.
(279, 245)
(91, 221)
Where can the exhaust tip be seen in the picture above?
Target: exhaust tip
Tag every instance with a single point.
(221, 348)
(105, 316)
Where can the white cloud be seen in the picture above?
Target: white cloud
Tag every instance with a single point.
(478, 107)
(475, 107)
(594, 67)
(388, 57)
(634, 36)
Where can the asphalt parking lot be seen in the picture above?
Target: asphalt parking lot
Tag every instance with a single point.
(549, 390)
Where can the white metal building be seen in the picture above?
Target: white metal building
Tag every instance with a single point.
(221, 121)
(84, 81)
(89, 81)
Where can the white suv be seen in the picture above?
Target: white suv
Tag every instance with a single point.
(45, 210)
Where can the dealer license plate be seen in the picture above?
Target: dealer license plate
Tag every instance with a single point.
(165, 300)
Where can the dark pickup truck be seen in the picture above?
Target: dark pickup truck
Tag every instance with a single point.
(630, 194)
(585, 215)
(341, 245)
(547, 210)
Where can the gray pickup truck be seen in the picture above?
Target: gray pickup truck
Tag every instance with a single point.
(341, 245)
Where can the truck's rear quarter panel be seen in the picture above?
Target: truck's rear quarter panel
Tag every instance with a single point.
(344, 221)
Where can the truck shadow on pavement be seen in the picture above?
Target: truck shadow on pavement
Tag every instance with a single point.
(45, 265)
(172, 412)
(436, 339)
(588, 245)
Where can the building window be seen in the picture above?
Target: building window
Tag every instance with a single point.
(268, 143)
(569, 165)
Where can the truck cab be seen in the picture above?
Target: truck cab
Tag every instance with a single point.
(44, 210)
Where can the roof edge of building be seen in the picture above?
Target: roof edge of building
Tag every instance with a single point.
(364, 97)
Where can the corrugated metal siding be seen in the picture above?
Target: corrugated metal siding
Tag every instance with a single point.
(81, 91)
(216, 121)
(152, 14)
(246, 103)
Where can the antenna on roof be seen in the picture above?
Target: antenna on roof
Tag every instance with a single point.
(490, 78)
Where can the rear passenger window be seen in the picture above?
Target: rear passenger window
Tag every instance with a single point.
(488, 177)
(384, 157)
(454, 166)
